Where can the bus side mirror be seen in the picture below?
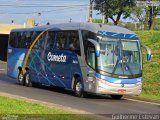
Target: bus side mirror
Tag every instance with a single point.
(97, 47)
(148, 57)
(148, 52)
(97, 53)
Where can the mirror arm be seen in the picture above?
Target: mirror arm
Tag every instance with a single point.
(97, 46)
(148, 52)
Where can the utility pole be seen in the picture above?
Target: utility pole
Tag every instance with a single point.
(90, 11)
(103, 17)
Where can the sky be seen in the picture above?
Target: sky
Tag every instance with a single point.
(43, 11)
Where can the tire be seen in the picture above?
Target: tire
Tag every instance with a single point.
(20, 77)
(27, 80)
(116, 97)
(78, 88)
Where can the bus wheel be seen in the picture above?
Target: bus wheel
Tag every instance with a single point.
(20, 77)
(78, 88)
(116, 97)
(28, 82)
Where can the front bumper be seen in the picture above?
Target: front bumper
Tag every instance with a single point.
(104, 87)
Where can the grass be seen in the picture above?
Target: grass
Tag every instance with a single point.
(151, 70)
(13, 108)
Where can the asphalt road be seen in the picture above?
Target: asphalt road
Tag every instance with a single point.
(93, 104)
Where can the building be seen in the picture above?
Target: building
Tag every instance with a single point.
(4, 35)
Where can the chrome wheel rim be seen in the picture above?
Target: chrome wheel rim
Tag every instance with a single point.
(78, 87)
(20, 78)
(27, 79)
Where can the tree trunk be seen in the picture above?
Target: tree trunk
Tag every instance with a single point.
(106, 18)
(146, 20)
(154, 14)
(150, 16)
(112, 19)
(153, 22)
(118, 18)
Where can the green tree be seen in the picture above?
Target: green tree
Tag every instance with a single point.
(115, 9)
(98, 21)
(130, 25)
(157, 25)
(151, 11)
(138, 16)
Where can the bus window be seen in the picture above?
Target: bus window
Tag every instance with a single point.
(17, 39)
(60, 40)
(13, 42)
(51, 40)
(28, 40)
(87, 35)
(40, 42)
(89, 48)
(74, 44)
(90, 56)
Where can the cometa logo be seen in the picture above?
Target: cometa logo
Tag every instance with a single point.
(56, 58)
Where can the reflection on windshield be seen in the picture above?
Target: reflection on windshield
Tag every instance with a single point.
(120, 57)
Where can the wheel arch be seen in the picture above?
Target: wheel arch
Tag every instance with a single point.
(20, 68)
(76, 75)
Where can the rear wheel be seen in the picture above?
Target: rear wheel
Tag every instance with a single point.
(78, 88)
(20, 77)
(116, 97)
(28, 82)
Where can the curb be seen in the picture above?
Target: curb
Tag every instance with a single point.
(141, 99)
(52, 105)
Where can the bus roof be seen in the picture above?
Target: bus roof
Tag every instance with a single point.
(93, 27)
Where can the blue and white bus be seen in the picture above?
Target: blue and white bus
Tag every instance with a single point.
(84, 57)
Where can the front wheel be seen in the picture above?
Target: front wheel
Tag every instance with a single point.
(116, 97)
(78, 88)
(28, 82)
(20, 77)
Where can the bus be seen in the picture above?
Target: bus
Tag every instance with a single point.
(83, 57)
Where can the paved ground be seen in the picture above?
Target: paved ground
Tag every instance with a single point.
(93, 104)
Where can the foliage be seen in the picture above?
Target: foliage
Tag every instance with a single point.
(30, 111)
(138, 15)
(157, 25)
(114, 9)
(98, 21)
(151, 12)
(151, 69)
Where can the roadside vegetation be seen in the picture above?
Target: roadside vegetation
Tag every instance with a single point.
(18, 110)
(151, 70)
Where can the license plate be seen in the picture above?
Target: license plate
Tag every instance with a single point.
(121, 91)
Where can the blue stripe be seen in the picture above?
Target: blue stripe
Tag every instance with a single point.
(119, 80)
(121, 35)
(97, 53)
(148, 57)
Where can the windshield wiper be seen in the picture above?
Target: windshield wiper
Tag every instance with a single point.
(115, 67)
(123, 63)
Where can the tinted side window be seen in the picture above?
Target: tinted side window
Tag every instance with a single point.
(61, 38)
(50, 40)
(87, 35)
(73, 42)
(20, 39)
(28, 39)
(41, 41)
(22, 42)
(90, 55)
(13, 42)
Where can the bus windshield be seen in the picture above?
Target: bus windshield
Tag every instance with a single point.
(119, 56)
